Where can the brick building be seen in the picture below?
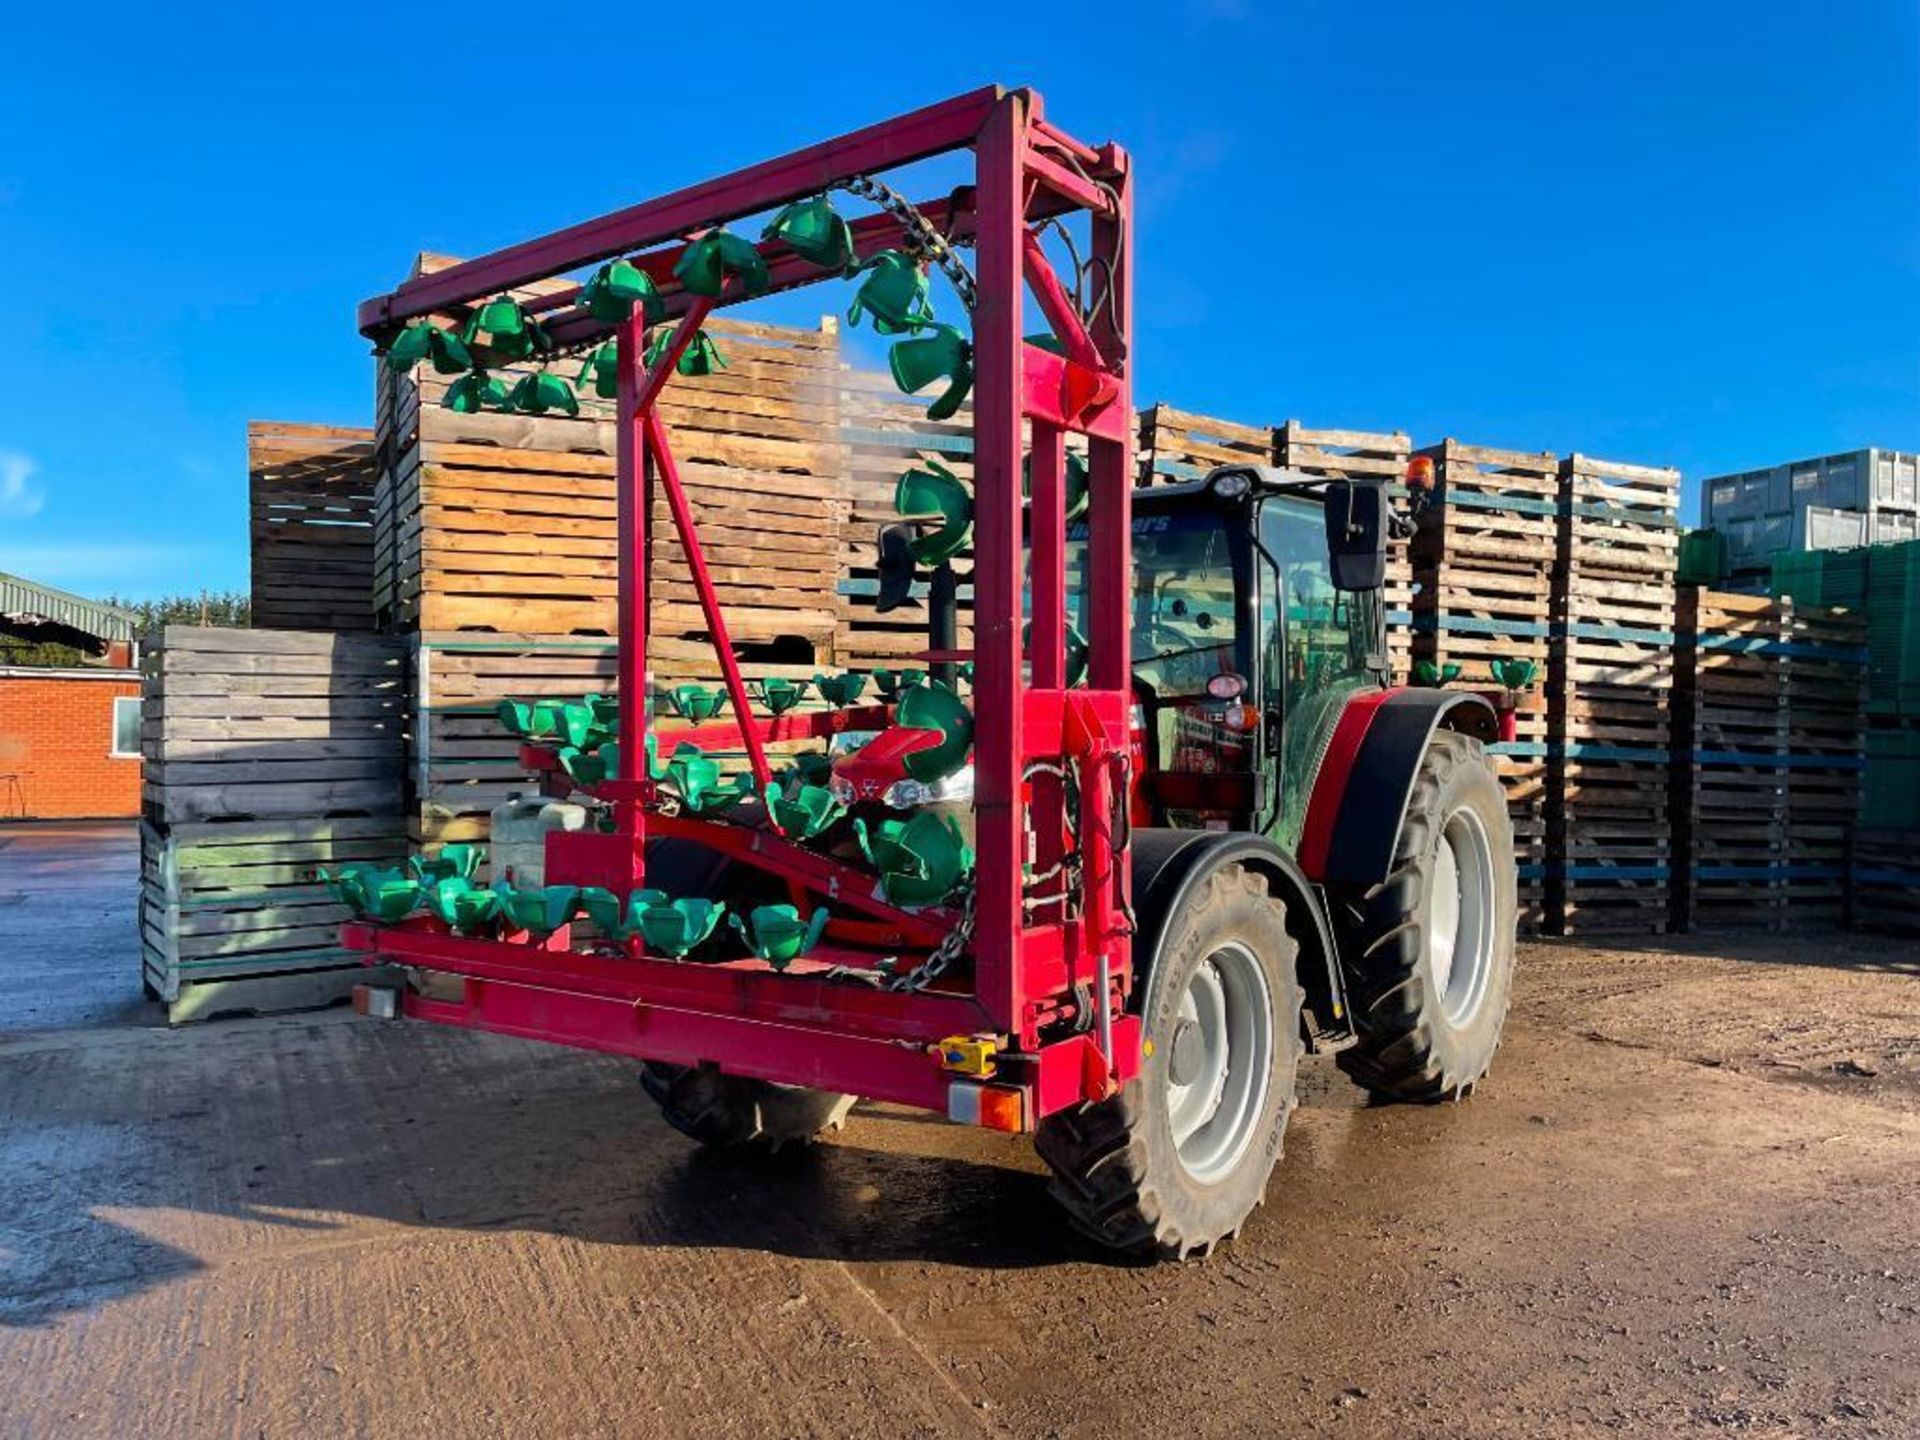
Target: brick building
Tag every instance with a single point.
(69, 737)
(69, 744)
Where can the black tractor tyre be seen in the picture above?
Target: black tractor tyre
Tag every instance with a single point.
(1420, 1040)
(1117, 1171)
(726, 1111)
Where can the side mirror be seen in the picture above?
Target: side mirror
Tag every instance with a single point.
(1356, 514)
(896, 568)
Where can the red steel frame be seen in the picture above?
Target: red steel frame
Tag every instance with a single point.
(1049, 980)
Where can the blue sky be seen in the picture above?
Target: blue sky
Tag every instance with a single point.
(1675, 233)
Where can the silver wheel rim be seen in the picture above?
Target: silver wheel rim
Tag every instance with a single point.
(1460, 917)
(1219, 1062)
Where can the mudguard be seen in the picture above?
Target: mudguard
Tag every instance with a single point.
(1168, 864)
(1360, 793)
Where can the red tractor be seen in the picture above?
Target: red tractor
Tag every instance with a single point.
(1179, 831)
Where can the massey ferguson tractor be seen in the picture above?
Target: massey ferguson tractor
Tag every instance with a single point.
(1103, 873)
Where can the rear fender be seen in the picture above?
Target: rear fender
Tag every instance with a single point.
(1167, 866)
(1366, 776)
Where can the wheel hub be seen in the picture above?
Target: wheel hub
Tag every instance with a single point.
(1460, 916)
(1220, 1062)
(1188, 1052)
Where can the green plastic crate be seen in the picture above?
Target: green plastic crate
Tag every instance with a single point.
(1890, 799)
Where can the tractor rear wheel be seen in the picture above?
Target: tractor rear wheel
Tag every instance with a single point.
(1429, 950)
(1180, 1157)
(726, 1111)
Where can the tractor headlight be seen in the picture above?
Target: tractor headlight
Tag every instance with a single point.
(1233, 485)
(905, 794)
(842, 790)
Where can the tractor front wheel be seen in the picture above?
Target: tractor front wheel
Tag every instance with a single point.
(1429, 950)
(726, 1111)
(1179, 1158)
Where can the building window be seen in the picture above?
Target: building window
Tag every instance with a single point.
(126, 726)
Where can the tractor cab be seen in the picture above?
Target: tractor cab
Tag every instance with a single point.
(1255, 617)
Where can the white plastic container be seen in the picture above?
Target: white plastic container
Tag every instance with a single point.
(518, 845)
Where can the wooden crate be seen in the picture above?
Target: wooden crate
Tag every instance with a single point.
(265, 753)
(1179, 445)
(232, 918)
(1619, 519)
(506, 522)
(263, 724)
(1482, 560)
(1609, 696)
(311, 495)
(1766, 784)
(1364, 454)
(1492, 507)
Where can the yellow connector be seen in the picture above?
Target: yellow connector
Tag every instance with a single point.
(968, 1054)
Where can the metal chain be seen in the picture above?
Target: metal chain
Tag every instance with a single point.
(944, 954)
(921, 236)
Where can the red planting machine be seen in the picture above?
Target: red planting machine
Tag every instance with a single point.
(1179, 830)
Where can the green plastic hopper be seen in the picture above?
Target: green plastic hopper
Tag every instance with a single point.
(933, 706)
(935, 493)
(701, 357)
(778, 935)
(841, 690)
(616, 288)
(673, 926)
(942, 353)
(1513, 674)
(815, 232)
(423, 340)
(374, 892)
(811, 812)
(708, 263)
(541, 392)
(697, 702)
(473, 393)
(778, 695)
(591, 767)
(540, 910)
(894, 294)
(920, 860)
(505, 330)
(449, 862)
(601, 371)
(458, 902)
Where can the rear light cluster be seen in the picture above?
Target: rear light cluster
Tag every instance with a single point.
(992, 1107)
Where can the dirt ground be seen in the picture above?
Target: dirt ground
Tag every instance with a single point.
(1685, 1204)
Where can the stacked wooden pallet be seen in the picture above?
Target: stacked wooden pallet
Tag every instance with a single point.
(1826, 698)
(1884, 882)
(885, 433)
(1364, 454)
(1766, 783)
(1178, 445)
(1483, 560)
(506, 522)
(311, 491)
(1609, 697)
(265, 754)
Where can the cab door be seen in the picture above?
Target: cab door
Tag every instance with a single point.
(1316, 651)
